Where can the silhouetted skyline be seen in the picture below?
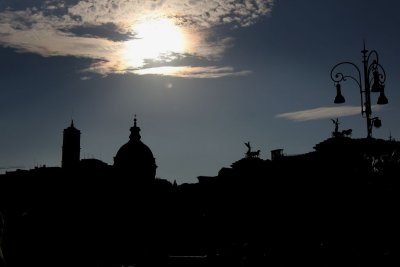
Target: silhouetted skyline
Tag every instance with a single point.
(247, 77)
(287, 211)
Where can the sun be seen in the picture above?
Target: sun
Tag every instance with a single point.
(155, 39)
(159, 37)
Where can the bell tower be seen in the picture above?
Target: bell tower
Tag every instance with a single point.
(71, 147)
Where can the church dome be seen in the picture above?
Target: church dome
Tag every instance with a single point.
(135, 157)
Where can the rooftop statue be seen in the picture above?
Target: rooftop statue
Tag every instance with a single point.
(251, 154)
(344, 133)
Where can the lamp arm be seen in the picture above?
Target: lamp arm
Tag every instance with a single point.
(373, 53)
(338, 77)
(382, 73)
(376, 66)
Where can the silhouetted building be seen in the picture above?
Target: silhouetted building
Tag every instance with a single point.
(335, 206)
(71, 147)
(93, 164)
(276, 154)
(135, 158)
(1, 237)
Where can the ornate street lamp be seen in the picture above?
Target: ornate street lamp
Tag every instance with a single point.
(373, 74)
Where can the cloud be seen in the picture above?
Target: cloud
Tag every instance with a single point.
(102, 30)
(192, 72)
(323, 113)
(199, 14)
(85, 78)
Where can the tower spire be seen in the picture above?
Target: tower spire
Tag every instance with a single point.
(134, 121)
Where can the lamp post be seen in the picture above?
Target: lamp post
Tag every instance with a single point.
(373, 73)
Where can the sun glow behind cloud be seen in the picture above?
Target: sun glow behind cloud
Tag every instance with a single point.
(153, 34)
(155, 39)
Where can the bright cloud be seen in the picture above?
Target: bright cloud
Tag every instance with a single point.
(323, 113)
(199, 13)
(66, 28)
(191, 72)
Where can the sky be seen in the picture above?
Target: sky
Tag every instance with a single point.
(203, 77)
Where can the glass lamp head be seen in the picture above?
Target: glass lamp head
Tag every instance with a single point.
(339, 99)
